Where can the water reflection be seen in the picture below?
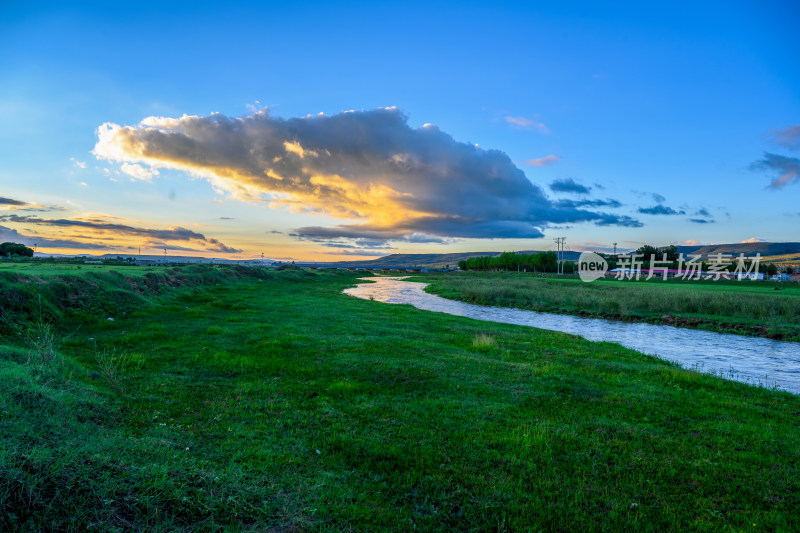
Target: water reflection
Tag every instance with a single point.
(749, 359)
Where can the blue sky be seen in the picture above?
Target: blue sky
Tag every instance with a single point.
(625, 123)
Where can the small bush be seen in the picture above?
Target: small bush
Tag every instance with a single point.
(43, 341)
(110, 367)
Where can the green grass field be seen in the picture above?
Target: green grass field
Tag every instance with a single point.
(768, 309)
(41, 268)
(259, 400)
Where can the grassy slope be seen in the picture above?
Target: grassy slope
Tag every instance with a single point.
(43, 268)
(753, 308)
(282, 403)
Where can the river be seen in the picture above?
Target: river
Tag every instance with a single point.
(753, 360)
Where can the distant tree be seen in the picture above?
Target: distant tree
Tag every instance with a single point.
(789, 270)
(772, 269)
(671, 251)
(10, 249)
(646, 251)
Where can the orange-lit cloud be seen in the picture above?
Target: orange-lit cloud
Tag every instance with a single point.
(109, 232)
(10, 204)
(543, 161)
(368, 168)
(787, 168)
(527, 124)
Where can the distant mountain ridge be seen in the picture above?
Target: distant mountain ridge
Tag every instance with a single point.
(432, 260)
(441, 260)
(746, 248)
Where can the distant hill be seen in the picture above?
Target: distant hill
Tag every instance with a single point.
(441, 260)
(430, 260)
(156, 258)
(766, 249)
(746, 248)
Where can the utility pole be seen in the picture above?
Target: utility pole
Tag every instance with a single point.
(615, 248)
(560, 241)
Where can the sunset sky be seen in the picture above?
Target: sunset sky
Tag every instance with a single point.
(354, 130)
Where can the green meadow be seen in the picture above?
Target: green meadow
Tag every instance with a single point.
(768, 309)
(44, 268)
(251, 399)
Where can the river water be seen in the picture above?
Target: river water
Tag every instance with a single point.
(754, 360)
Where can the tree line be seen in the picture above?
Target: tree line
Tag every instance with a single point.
(548, 261)
(10, 249)
(538, 262)
(673, 259)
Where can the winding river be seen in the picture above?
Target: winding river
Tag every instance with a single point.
(753, 360)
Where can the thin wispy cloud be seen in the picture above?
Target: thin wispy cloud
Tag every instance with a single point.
(10, 204)
(383, 178)
(543, 161)
(11, 235)
(608, 202)
(786, 168)
(660, 210)
(106, 229)
(527, 124)
(788, 137)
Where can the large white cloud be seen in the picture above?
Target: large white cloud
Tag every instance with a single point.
(370, 168)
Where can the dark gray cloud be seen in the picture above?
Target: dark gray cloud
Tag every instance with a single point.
(358, 237)
(171, 234)
(608, 202)
(657, 198)
(660, 210)
(11, 201)
(787, 169)
(363, 253)
(788, 137)
(569, 185)
(370, 166)
(701, 221)
(703, 212)
(18, 205)
(12, 235)
(625, 221)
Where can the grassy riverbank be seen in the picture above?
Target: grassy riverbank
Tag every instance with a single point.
(767, 309)
(257, 400)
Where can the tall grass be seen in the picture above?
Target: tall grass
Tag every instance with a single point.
(747, 305)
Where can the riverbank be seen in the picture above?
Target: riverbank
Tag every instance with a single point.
(765, 309)
(271, 401)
